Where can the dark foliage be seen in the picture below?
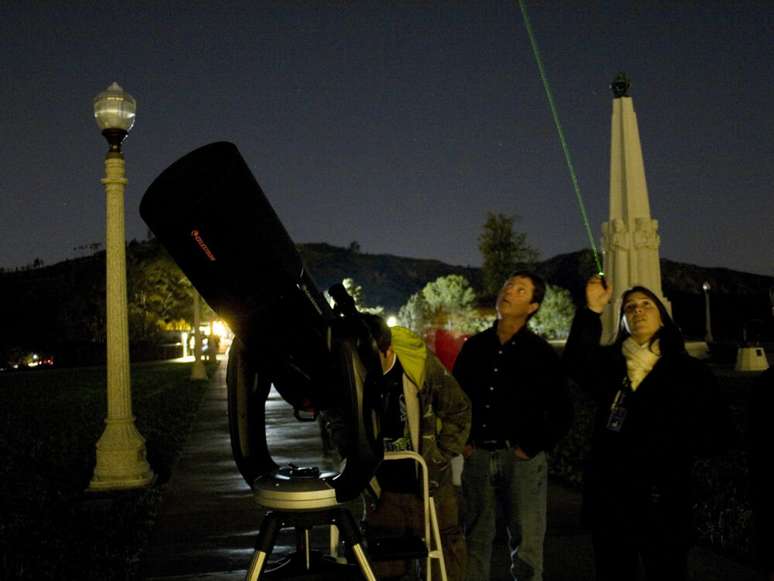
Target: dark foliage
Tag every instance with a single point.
(60, 309)
(504, 250)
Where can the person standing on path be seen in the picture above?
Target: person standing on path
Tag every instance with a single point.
(521, 408)
(658, 408)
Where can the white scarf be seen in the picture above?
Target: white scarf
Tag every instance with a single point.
(640, 359)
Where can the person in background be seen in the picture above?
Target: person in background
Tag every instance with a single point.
(658, 408)
(521, 408)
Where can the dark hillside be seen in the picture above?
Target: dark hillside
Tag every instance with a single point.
(60, 307)
(387, 280)
(42, 307)
(737, 299)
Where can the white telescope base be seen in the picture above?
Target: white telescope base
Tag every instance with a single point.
(304, 498)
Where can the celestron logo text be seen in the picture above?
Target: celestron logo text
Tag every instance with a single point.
(203, 245)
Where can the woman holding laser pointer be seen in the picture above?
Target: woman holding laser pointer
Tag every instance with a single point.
(657, 409)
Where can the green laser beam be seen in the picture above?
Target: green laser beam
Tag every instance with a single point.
(565, 147)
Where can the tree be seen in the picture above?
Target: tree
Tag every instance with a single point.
(358, 296)
(448, 301)
(158, 293)
(415, 314)
(503, 250)
(355, 291)
(449, 293)
(554, 318)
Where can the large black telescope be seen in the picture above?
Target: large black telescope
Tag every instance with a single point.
(211, 215)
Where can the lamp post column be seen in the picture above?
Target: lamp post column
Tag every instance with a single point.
(121, 461)
(708, 333)
(198, 373)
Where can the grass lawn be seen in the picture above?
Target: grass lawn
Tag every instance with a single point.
(50, 421)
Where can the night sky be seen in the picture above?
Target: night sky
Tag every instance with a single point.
(396, 124)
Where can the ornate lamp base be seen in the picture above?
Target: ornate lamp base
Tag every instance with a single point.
(121, 459)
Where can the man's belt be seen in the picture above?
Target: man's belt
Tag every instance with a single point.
(492, 444)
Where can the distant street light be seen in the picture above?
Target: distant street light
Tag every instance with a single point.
(198, 373)
(121, 459)
(708, 334)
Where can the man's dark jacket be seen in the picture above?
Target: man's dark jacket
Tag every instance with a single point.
(638, 480)
(518, 390)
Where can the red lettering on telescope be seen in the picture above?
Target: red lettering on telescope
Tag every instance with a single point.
(203, 245)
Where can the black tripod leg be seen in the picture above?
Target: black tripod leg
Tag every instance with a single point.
(350, 533)
(304, 545)
(267, 536)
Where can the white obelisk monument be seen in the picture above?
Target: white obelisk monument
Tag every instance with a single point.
(630, 239)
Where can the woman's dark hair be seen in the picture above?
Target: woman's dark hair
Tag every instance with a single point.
(670, 338)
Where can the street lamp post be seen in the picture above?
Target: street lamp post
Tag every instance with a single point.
(198, 373)
(708, 334)
(121, 461)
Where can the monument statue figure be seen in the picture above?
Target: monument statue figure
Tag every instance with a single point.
(630, 236)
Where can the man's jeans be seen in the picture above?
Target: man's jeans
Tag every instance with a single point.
(492, 478)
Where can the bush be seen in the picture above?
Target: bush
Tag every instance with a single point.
(567, 459)
(448, 303)
(555, 316)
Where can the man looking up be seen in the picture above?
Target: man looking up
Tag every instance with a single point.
(521, 408)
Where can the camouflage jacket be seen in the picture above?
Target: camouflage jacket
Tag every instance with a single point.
(438, 411)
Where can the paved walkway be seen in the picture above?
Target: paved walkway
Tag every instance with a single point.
(208, 519)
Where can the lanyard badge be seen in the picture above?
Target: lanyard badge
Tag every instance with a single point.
(618, 410)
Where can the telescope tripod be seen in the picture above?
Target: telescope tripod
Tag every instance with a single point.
(302, 498)
(305, 563)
